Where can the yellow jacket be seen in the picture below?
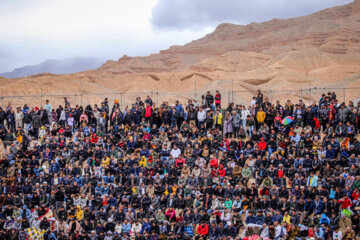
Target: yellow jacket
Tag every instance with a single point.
(79, 213)
(260, 116)
(106, 162)
(19, 138)
(218, 118)
(135, 190)
(287, 219)
(142, 161)
(173, 189)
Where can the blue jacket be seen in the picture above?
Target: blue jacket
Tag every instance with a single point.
(109, 179)
(324, 219)
(36, 171)
(309, 206)
(173, 115)
(330, 154)
(179, 108)
(165, 153)
(79, 181)
(145, 153)
(230, 231)
(105, 190)
(277, 218)
(260, 220)
(213, 231)
(125, 227)
(250, 219)
(112, 202)
(98, 190)
(146, 227)
(314, 181)
(320, 234)
(320, 206)
(189, 229)
(25, 211)
(54, 168)
(332, 194)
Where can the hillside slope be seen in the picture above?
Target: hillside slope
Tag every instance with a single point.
(318, 50)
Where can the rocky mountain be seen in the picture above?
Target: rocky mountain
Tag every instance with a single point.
(63, 66)
(319, 50)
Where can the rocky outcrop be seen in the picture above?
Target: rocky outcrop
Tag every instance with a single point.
(318, 50)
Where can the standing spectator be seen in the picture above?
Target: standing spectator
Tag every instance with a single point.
(260, 117)
(228, 125)
(236, 121)
(209, 99)
(47, 106)
(218, 99)
(36, 124)
(259, 97)
(201, 117)
(19, 116)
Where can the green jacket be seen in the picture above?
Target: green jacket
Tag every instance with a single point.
(356, 184)
(160, 217)
(246, 172)
(228, 204)
(268, 182)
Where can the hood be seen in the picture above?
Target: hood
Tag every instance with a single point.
(324, 217)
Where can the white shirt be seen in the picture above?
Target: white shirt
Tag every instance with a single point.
(201, 116)
(135, 228)
(277, 231)
(244, 114)
(253, 103)
(337, 235)
(175, 152)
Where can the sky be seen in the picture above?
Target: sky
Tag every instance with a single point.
(37, 30)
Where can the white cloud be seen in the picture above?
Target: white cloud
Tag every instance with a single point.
(36, 30)
(107, 29)
(59, 19)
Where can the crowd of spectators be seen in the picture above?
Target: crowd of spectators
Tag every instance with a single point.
(200, 170)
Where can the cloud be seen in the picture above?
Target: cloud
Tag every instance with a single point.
(37, 30)
(197, 14)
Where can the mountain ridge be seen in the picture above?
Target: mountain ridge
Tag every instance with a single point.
(55, 66)
(320, 49)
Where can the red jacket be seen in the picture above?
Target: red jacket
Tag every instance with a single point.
(214, 163)
(147, 136)
(331, 113)
(280, 173)
(345, 203)
(148, 111)
(221, 171)
(262, 145)
(94, 138)
(317, 123)
(355, 195)
(203, 229)
(180, 162)
(218, 99)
